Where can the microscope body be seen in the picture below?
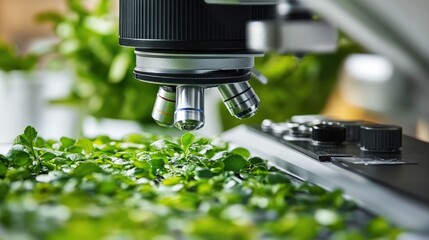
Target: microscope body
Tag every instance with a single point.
(187, 46)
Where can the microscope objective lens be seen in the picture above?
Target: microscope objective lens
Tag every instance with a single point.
(189, 114)
(165, 104)
(240, 99)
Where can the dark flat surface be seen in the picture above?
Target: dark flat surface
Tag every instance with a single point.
(410, 179)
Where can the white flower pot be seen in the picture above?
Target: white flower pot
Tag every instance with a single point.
(26, 99)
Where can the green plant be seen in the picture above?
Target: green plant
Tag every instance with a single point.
(296, 85)
(154, 187)
(89, 43)
(11, 59)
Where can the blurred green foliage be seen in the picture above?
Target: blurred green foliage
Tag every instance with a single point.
(89, 43)
(296, 85)
(11, 58)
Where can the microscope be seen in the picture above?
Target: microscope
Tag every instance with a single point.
(188, 46)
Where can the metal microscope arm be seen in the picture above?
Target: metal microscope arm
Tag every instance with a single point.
(396, 29)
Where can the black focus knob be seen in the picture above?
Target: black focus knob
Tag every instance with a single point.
(381, 138)
(329, 134)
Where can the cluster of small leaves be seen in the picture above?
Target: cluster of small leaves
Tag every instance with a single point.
(152, 187)
(11, 59)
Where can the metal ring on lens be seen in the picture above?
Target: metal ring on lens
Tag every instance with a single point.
(191, 63)
(240, 99)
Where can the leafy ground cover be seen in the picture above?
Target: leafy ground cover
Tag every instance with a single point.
(154, 187)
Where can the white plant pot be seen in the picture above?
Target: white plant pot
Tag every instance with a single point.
(25, 99)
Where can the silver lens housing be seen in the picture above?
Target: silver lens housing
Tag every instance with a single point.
(191, 74)
(152, 62)
(240, 99)
(165, 105)
(189, 114)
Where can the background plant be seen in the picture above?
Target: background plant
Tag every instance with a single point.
(12, 59)
(89, 44)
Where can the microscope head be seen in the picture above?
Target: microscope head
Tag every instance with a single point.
(187, 46)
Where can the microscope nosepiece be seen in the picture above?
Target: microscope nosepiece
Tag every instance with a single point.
(192, 45)
(240, 99)
(189, 114)
(165, 104)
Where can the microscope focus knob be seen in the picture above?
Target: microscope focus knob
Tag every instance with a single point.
(380, 138)
(328, 134)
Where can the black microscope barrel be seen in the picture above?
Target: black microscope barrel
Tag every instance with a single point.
(189, 26)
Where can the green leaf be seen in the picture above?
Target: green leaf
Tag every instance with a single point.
(187, 139)
(103, 7)
(241, 151)
(47, 156)
(86, 168)
(4, 188)
(75, 149)
(234, 163)
(305, 228)
(75, 156)
(156, 164)
(27, 140)
(18, 174)
(141, 164)
(204, 173)
(49, 166)
(18, 157)
(77, 7)
(164, 144)
(11, 58)
(144, 173)
(256, 160)
(4, 160)
(40, 142)
(22, 140)
(378, 227)
(277, 178)
(67, 142)
(119, 67)
(30, 134)
(102, 139)
(3, 169)
(85, 144)
(172, 181)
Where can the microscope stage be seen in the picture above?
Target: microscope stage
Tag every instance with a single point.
(393, 185)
